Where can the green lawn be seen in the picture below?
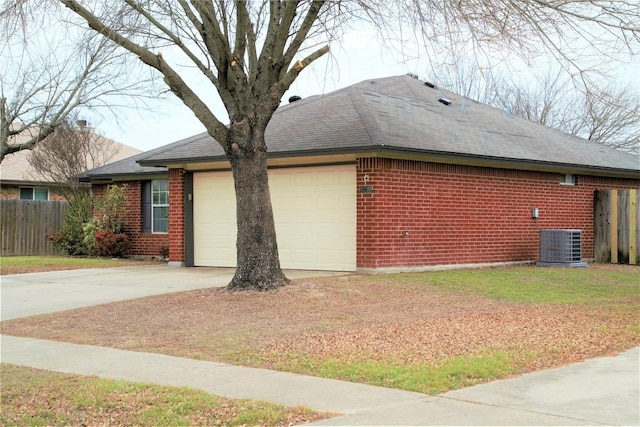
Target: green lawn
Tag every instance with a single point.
(533, 285)
(33, 264)
(32, 397)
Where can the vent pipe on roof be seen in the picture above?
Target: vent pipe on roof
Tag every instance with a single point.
(429, 84)
(294, 98)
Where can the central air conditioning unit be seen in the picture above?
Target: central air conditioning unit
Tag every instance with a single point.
(562, 248)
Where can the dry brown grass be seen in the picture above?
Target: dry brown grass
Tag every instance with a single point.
(350, 318)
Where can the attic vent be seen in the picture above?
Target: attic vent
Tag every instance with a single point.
(561, 248)
(294, 98)
(429, 84)
(445, 101)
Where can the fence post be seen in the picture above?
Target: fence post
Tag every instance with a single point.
(613, 223)
(633, 236)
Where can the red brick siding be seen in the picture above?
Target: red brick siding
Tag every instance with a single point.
(145, 244)
(464, 214)
(176, 215)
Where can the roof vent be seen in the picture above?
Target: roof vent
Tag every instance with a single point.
(445, 101)
(294, 98)
(81, 124)
(429, 84)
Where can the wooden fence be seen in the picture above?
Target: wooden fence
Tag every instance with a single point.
(25, 224)
(616, 231)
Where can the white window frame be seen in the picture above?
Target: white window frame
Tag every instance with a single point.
(567, 179)
(160, 204)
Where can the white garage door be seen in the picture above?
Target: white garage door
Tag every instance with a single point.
(314, 210)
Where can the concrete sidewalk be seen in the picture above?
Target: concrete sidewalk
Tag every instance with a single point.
(603, 391)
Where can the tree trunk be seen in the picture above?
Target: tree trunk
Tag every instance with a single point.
(258, 263)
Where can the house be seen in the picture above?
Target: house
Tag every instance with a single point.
(386, 174)
(19, 180)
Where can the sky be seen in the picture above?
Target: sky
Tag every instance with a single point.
(360, 56)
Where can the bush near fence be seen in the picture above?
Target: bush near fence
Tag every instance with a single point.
(25, 225)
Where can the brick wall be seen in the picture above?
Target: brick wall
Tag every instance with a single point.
(464, 214)
(176, 215)
(9, 192)
(145, 244)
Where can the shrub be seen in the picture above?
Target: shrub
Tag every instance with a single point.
(90, 229)
(70, 238)
(110, 244)
(110, 207)
(164, 251)
(78, 233)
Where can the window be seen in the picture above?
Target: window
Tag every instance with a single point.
(155, 204)
(34, 193)
(160, 205)
(568, 179)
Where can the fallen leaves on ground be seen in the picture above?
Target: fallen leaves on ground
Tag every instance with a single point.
(346, 318)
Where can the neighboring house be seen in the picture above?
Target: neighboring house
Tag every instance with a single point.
(385, 174)
(19, 180)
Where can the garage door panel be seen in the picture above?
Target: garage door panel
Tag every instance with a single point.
(314, 210)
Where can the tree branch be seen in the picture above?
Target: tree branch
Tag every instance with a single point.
(177, 85)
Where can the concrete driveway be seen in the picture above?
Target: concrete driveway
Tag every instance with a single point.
(36, 293)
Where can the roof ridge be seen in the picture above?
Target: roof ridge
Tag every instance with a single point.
(368, 120)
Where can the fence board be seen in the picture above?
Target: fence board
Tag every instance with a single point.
(634, 233)
(602, 228)
(616, 231)
(24, 225)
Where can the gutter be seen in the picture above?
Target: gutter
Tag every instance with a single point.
(422, 155)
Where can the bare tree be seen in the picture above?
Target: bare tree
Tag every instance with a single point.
(250, 52)
(47, 71)
(67, 152)
(608, 114)
(611, 116)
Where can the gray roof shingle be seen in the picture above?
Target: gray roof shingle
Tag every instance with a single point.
(401, 113)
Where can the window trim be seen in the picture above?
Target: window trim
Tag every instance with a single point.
(568, 179)
(148, 223)
(159, 205)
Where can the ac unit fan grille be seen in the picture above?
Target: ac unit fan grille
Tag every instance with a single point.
(561, 247)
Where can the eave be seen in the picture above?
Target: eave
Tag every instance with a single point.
(317, 157)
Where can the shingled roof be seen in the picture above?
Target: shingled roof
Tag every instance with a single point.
(403, 116)
(128, 167)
